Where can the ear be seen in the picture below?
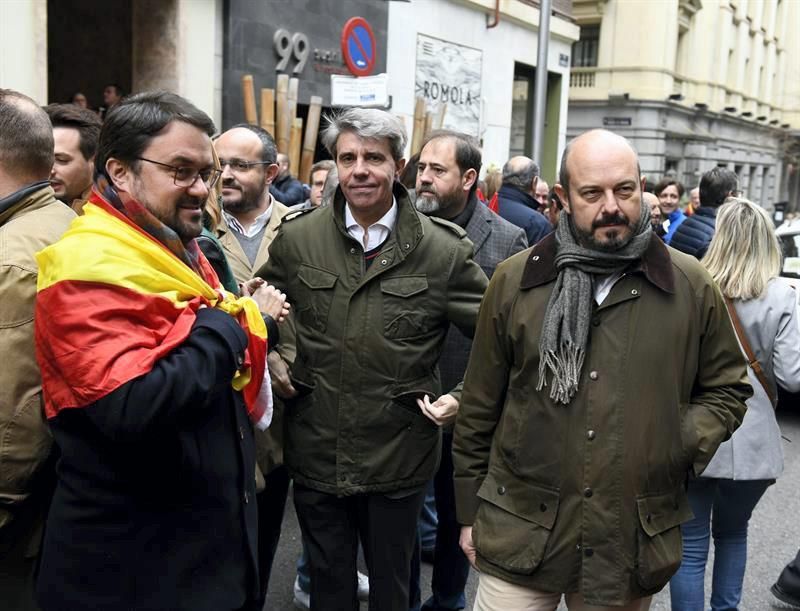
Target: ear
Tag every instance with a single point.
(534, 183)
(400, 164)
(562, 195)
(270, 173)
(468, 179)
(643, 183)
(120, 175)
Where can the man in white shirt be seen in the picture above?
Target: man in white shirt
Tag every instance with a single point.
(250, 219)
(377, 286)
(251, 216)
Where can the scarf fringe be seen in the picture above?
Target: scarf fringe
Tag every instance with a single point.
(565, 367)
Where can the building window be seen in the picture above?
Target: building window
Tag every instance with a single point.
(584, 51)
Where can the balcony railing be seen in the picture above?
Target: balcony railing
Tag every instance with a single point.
(580, 78)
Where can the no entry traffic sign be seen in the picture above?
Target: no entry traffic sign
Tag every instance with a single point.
(358, 46)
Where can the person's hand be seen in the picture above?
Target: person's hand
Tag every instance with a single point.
(249, 287)
(440, 412)
(271, 302)
(279, 374)
(465, 541)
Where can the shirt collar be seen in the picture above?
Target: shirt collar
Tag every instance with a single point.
(387, 221)
(259, 223)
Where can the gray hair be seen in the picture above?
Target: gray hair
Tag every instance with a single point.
(367, 123)
(520, 175)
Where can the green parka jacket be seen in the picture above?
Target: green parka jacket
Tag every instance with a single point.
(368, 342)
(589, 496)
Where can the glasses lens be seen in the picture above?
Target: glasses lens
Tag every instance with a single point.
(185, 177)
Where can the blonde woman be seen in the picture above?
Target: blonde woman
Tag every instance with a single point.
(744, 258)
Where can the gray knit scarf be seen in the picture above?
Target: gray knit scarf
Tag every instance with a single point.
(565, 330)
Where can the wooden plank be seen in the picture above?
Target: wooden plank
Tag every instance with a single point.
(419, 126)
(281, 124)
(310, 139)
(294, 146)
(249, 97)
(268, 110)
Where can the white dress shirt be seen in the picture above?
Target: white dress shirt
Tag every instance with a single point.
(258, 224)
(603, 286)
(376, 233)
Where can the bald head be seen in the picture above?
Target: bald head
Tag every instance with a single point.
(521, 172)
(26, 142)
(593, 143)
(651, 201)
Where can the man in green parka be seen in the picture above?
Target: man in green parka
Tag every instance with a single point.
(376, 285)
(604, 372)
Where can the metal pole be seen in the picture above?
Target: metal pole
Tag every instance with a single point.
(540, 97)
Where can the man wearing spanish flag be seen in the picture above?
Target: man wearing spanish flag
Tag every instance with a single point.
(153, 377)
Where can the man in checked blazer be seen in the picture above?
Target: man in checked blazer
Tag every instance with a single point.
(447, 177)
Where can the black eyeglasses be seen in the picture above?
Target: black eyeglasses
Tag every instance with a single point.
(186, 177)
(240, 165)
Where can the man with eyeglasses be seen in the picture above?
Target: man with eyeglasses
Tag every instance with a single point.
(250, 220)
(153, 379)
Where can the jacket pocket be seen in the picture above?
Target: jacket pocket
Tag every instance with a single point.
(514, 522)
(659, 547)
(404, 312)
(317, 295)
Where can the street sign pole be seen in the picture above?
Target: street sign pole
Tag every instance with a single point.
(540, 97)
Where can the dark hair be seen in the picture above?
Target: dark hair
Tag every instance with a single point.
(716, 185)
(552, 196)
(520, 175)
(269, 150)
(408, 177)
(135, 121)
(26, 137)
(468, 153)
(668, 182)
(120, 91)
(86, 122)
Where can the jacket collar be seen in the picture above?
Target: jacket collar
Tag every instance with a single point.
(655, 265)
(515, 194)
(480, 226)
(707, 211)
(10, 204)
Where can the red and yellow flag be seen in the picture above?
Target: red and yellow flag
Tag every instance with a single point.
(112, 301)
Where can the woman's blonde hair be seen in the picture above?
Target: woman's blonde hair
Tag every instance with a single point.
(745, 253)
(494, 180)
(213, 203)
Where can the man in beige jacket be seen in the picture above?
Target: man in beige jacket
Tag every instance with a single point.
(30, 219)
(250, 220)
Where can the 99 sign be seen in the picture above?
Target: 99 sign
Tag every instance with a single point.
(288, 45)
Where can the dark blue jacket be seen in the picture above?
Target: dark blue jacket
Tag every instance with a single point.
(694, 235)
(288, 191)
(518, 208)
(155, 504)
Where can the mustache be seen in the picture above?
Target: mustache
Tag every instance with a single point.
(230, 183)
(610, 219)
(427, 189)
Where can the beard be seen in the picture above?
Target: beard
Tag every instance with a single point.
(247, 202)
(613, 241)
(439, 204)
(184, 217)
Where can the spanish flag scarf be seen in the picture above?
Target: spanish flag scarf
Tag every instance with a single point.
(117, 293)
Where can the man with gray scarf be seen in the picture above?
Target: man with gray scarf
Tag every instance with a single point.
(571, 454)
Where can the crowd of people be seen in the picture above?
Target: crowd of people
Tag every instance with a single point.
(195, 333)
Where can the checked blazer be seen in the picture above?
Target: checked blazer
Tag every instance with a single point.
(494, 239)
